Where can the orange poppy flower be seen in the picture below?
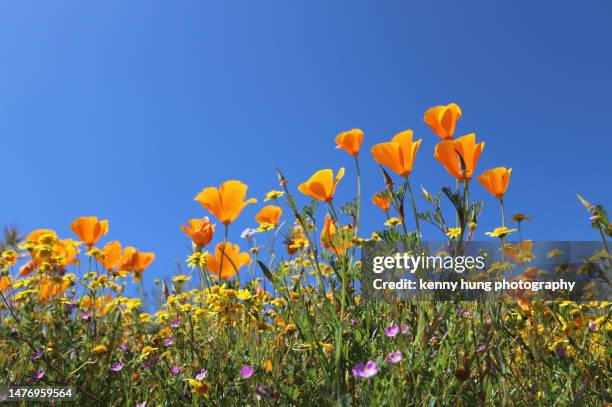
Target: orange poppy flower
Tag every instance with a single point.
(382, 202)
(496, 181)
(399, 153)
(35, 235)
(136, 261)
(66, 251)
(448, 152)
(336, 242)
(225, 202)
(442, 120)
(227, 260)
(5, 283)
(269, 215)
(26, 269)
(322, 185)
(200, 230)
(350, 141)
(89, 229)
(110, 255)
(52, 287)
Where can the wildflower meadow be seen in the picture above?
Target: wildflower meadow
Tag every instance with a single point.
(276, 315)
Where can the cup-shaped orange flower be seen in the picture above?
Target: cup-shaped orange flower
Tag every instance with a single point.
(50, 287)
(135, 261)
(459, 156)
(5, 283)
(110, 255)
(225, 202)
(350, 141)
(382, 202)
(336, 241)
(65, 251)
(399, 153)
(227, 260)
(496, 181)
(322, 185)
(199, 230)
(34, 236)
(442, 120)
(89, 229)
(269, 216)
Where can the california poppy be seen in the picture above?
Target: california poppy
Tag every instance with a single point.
(382, 202)
(225, 202)
(442, 120)
(496, 181)
(34, 236)
(89, 229)
(135, 261)
(269, 215)
(200, 230)
(110, 255)
(5, 283)
(65, 251)
(226, 261)
(459, 156)
(51, 287)
(332, 239)
(322, 185)
(350, 141)
(399, 153)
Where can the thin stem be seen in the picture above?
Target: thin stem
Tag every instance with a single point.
(414, 212)
(358, 220)
(503, 212)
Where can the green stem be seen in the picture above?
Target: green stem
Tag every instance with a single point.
(503, 212)
(358, 220)
(414, 212)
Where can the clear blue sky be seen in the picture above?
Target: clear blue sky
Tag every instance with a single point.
(127, 109)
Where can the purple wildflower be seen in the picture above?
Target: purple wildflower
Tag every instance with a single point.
(117, 366)
(70, 306)
(39, 374)
(394, 357)
(404, 329)
(85, 316)
(366, 370)
(3, 397)
(123, 346)
(175, 370)
(169, 341)
(481, 348)
(592, 326)
(200, 376)
(246, 371)
(353, 322)
(143, 404)
(392, 330)
(561, 350)
(38, 354)
(175, 323)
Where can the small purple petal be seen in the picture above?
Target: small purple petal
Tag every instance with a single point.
(592, 326)
(175, 323)
(404, 329)
(143, 404)
(200, 376)
(366, 370)
(246, 371)
(394, 357)
(123, 346)
(175, 370)
(117, 366)
(38, 354)
(39, 374)
(169, 341)
(392, 330)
